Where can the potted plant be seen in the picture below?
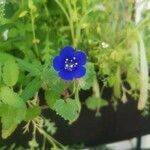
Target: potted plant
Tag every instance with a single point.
(76, 63)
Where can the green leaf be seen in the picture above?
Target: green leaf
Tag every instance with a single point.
(33, 68)
(53, 80)
(51, 96)
(10, 73)
(133, 79)
(31, 89)
(8, 96)
(32, 113)
(50, 126)
(23, 13)
(10, 118)
(8, 131)
(0, 72)
(68, 109)
(5, 57)
(13, 33)
(94, 103)
(87, 81)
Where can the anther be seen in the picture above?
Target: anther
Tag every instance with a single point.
(66, 65)
(71, 66)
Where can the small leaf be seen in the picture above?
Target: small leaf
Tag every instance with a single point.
(0, 72)
(50, 126)
(51, 96)
(94, 103)
(8, 96)
(87, 81)
(13, 33)
(32, 113)
(33, 68)
(23, 13)
(32, 6)
(10, 118)
(5, 57)
(31, 89)
(10, 73)
(33, 143)
(133, 79)
(68, 110)
(50, 76)
(7, 132)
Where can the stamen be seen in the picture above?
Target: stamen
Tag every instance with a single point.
(66, 65)
(70, 64)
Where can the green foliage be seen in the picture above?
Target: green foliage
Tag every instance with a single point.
(51, 97)
(32, 113)
(95, 103)
(12, 147)
(50, 76)
(67, 109)
(0, 72)
(87, 80)
(12, 110)
(33, 68)
(50, 126)
(4, 57)
(11, 116)
(30, 90)
(8, 96)
(10, 73)
(33, 143)
(2, 11)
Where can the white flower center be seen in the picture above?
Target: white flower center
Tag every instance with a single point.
(70, 64)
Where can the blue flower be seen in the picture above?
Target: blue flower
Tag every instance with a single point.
(69, 63)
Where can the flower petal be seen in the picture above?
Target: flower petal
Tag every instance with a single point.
(79, 72)
(66, 75)
(57, 63)
(81, 57)
(67, 52)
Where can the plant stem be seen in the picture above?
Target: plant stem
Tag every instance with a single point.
(50, 138)
(96, 88)
(134, 30)
(71, 22)
(77, 97)
(44, 143)
(34, 35)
